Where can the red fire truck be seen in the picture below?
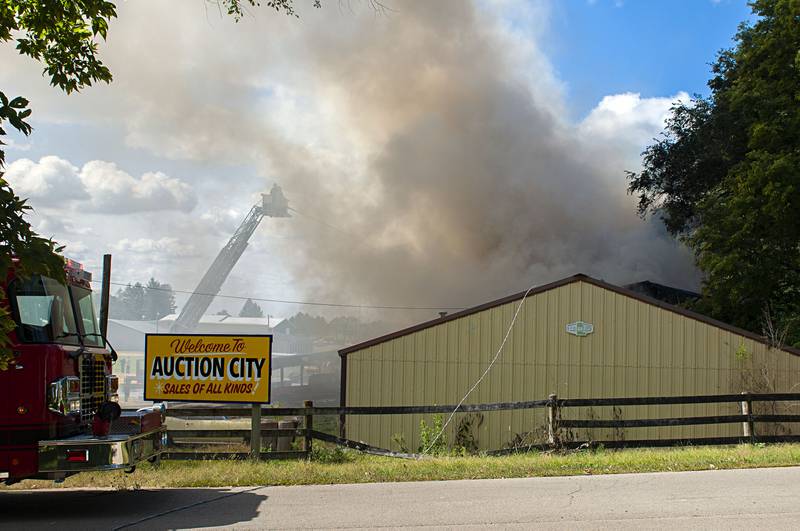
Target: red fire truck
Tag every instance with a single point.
(58, 398)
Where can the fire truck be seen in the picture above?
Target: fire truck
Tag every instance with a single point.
(58, 398)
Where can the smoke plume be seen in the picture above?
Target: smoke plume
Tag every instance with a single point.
(426, 150)
(473, 185)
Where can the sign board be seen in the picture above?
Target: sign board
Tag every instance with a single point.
(208, 368)
(580, 329)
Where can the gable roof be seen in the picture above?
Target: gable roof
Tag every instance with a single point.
(580, 277)
(142, 327)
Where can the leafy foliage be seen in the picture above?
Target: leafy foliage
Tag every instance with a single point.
(323, 453)
(303, 324)
(686, 164)
(25, 252)
(430, 441)
(725, 176)
(342, 329)
(237, 8)
(15, 111)
(62, 36)
(465, 437)
(139, 302)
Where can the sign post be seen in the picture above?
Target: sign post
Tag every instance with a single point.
(211, 368)
(255, 432)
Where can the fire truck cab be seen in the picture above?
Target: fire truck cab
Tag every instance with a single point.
(58, 398)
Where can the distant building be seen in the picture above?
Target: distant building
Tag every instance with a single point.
(212, 324)
(228, 324)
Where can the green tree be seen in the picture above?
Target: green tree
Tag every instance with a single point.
(725, 176)
(237, 8)
(251, 309)
(342, 329)
(159, 300)
(62, 36)
(137, 302)
(303, 324)
(127, 303)
(23, 250)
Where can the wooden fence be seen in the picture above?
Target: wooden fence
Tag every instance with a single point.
(558, 427)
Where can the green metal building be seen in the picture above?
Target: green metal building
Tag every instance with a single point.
(579, 338)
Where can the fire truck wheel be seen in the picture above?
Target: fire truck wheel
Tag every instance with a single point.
(130, 470)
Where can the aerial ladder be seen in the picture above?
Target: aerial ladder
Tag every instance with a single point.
(274, 205)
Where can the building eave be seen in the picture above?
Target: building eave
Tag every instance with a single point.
(580, 277)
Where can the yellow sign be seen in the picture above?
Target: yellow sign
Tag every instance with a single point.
(208, 368)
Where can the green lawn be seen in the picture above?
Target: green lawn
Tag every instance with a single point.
(332, 467)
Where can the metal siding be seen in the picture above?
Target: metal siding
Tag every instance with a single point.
(637, 349)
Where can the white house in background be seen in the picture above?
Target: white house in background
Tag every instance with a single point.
(210, 324)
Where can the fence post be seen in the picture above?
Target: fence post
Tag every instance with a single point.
(552, 421)
(748, 426)
(255, 432)
(309, 426)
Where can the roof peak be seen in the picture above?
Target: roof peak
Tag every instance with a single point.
(578, 277)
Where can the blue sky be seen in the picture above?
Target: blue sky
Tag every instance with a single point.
(655, 47)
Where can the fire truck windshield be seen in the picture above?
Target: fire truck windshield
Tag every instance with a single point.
(86, 317)
(44, 313)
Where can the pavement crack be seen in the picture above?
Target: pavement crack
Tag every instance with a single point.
(572, 495)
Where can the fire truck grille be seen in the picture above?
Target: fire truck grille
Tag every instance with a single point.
(93, 378)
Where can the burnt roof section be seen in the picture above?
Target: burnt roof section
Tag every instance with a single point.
(663, 293)
(580, 277)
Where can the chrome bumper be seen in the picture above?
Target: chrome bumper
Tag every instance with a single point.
(84, 453)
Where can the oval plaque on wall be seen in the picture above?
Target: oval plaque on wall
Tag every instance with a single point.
(580, 328)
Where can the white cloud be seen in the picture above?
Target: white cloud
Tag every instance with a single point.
(51, 181)
(99, 187)
(12, 145)
(629, 118)
(75, 248)
(163, 247)
(116, 191)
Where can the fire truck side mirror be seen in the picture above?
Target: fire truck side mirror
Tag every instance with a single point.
(114, 355)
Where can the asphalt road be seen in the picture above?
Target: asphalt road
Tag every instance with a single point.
(730, 499)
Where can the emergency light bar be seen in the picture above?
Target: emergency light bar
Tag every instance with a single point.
(72, 264)
(76, 272)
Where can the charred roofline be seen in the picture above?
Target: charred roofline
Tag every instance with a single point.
(580, 277)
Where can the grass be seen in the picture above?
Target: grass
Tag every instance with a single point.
(335, 466)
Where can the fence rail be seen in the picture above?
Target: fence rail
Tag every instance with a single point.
(675, 400)
(216, 410)
(303, 436)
